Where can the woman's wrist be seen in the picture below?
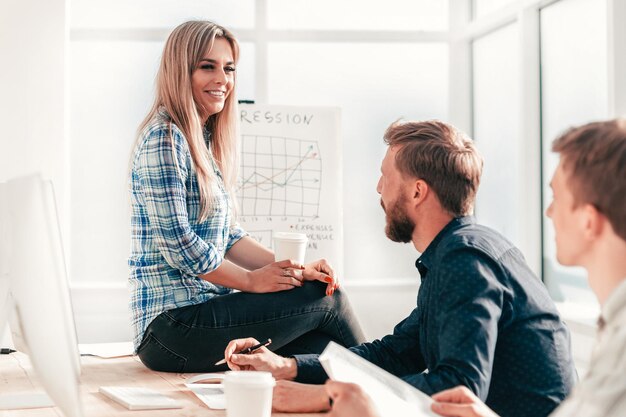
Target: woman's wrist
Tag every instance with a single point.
(248, 282)
(230, 275)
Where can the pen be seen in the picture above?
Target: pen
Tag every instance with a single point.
(248, 350)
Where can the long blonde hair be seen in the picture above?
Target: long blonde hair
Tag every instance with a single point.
(184, 48)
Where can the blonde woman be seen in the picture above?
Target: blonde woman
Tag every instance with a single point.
(188, 255)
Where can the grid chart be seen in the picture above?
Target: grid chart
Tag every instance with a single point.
(279, 177)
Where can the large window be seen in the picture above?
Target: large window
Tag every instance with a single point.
(123, 15)
(410, 15)
(485, 7)
(520, 73)
(374, 84)
(383, 65)
(574, 91)
(497, 129)
(538, 68)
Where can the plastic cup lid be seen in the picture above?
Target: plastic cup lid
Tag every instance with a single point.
(257, 378)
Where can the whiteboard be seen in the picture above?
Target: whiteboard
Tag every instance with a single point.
(290, 176)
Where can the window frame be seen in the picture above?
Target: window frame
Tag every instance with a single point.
(464, 30)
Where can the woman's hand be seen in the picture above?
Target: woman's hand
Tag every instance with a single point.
(460, 402)
(261, 359)
(349, 400)
(277, 276)
(321, 270)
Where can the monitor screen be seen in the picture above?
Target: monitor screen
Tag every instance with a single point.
(40, 313)
(4, 267)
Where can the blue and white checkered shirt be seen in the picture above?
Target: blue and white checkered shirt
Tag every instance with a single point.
(169, 246)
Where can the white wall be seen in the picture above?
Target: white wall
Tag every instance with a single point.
(33, 39)
(32, 85)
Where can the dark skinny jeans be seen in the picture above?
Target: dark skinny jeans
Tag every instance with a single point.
(302, 320)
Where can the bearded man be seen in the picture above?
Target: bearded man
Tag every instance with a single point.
(483, 320)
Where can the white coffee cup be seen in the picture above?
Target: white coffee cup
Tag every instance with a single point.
(290, 246)
(248, 393)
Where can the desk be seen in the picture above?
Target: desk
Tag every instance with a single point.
(16, 375)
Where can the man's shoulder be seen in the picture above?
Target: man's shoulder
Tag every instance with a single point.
(475, 238)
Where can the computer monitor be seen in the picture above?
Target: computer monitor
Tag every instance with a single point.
(5, 300)
(35, 287)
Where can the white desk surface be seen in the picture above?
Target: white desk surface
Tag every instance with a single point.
(16, 375)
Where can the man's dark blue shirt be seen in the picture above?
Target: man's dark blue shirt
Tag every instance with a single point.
(482, 320)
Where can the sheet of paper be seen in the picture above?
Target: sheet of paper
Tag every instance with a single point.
(391, 396)
(106, 350)
(211, 394)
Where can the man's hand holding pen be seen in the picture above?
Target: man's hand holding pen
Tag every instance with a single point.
(249, 349)
(261, 359)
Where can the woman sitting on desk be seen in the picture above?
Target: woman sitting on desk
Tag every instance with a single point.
(187, 252)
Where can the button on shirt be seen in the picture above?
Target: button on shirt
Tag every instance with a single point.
(602, 392)
(170, 247)
(482, 320)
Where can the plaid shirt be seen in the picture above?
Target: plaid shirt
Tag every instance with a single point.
(169, 246)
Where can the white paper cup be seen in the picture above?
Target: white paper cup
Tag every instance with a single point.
(248, 393)
(290, 246)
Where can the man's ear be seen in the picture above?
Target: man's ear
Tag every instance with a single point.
(594, 221)
(420, 192)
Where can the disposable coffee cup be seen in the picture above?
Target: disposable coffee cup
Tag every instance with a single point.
(290, 246)
(248, 393)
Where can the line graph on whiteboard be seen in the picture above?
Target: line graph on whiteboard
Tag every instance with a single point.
(279, 177)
